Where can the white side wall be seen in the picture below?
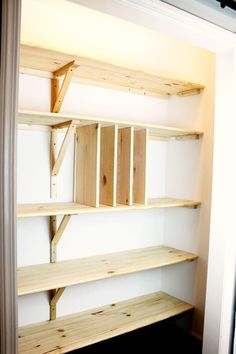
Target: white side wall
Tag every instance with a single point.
(86, 234)
(221, 265)
(92, 234)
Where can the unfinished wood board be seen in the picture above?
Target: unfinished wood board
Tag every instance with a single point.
(108, 165)
(140, 166)
(43, 62)
(76, 331)
(50, 209)
(88, 164)
(42, 277)
(40, 119)
(125, 166)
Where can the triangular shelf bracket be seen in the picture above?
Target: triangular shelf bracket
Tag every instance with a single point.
(55, 296)
(57, 159)
(57, 97)
(56, 234)
(57, 93)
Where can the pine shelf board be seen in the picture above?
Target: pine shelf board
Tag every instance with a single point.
(46, 119)
(51, 209)
(43, 62)
(79, 330)
(48, 276)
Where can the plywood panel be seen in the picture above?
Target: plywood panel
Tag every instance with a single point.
(140, 166)
(125, 166)
(76, 331)
(88, 164)
(108, 165)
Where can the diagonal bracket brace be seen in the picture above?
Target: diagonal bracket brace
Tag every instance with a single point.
(56, 160)
(58, 94)
(56, 234)
(55, 296)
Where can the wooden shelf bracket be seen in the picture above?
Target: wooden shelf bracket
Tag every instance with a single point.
(57, 97)
(55, 296)
(58, 94)
(56, 234)
(57, 159)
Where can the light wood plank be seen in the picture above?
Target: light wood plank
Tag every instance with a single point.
(42, 277)
(32, 118)
(108, 165)
(76, 331)
(91, 71)
(125, 166)
(48, 209)
(140, 166)
(88, 165)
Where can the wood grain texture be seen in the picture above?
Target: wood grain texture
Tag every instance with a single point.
(140, 166)
(108, 165)
(125, 166)
(49, 209)
(31, 118)
(36, 278)
(88, 165)
(76, 331)
(39, 61)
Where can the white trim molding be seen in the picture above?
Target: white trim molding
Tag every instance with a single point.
(10, 37)
(165, 18)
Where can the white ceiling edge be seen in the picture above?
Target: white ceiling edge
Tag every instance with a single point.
(209, 10)
(167, 19)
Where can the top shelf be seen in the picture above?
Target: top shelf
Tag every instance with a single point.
(43, 62)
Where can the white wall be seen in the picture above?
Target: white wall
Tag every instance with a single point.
(221, 266)
(142, 49)
(86, 234)
(104, 232)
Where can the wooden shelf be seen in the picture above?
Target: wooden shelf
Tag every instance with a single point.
(35, 118)
(44, 62)
(50, 209)
(42, 277)
(76, 331)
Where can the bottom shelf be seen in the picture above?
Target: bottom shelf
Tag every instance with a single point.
(76, 331)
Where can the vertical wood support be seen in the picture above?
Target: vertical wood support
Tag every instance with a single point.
(53, 154)
(88, 165)
(57, 97)
(140, 166)
(56, 234)
(125, 166)
(108, 165)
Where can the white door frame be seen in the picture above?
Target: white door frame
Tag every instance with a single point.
(10, 37)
